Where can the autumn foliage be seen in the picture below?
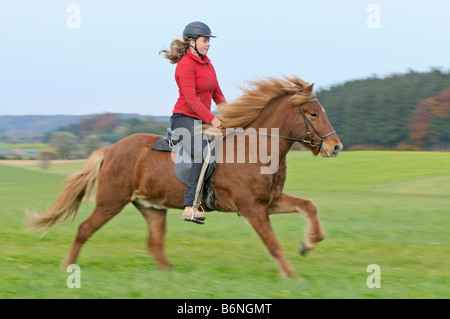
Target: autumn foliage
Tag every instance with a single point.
(430, 121)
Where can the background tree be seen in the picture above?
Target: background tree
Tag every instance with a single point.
(65, 143)
(91, 143)
(431, 121)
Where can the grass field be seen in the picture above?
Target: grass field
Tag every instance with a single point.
(386, 208)
(12, 145)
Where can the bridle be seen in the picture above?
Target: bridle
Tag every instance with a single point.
(312, 141)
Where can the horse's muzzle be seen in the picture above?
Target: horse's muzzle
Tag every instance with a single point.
(336, 149)
(333, 152)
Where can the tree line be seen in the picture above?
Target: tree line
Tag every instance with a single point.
(80, 139)
(401, 111)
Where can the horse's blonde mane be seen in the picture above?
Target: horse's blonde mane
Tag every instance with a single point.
(258, 95)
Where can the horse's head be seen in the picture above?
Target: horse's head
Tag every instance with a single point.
(305, 121)
(312, 126)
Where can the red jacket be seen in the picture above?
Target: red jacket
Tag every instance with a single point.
(197, 84)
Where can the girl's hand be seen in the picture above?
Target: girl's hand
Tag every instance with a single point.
(216, 122)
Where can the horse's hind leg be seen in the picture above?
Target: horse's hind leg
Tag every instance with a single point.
(288, 204)
(156, 221)
(101, 214)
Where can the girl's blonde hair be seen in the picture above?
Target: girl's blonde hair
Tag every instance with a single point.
(177, 51)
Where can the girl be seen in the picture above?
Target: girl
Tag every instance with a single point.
(197, 85)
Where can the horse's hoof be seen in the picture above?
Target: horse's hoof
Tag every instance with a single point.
(166, 267)
(303, 249)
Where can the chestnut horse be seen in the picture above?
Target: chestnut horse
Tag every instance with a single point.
(130, 171)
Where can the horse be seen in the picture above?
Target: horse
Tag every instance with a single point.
(130, 171)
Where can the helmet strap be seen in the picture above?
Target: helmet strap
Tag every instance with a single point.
(195, 48)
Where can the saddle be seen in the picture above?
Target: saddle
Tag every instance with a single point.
(183, 163)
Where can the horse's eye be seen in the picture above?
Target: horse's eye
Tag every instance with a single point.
(314, 115)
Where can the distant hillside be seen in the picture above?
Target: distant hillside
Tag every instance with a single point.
(19, 126)
(26, 125)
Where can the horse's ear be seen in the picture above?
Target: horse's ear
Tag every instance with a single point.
(309, 88)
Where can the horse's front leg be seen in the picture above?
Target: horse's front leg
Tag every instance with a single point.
(257, 215)
(289, 204)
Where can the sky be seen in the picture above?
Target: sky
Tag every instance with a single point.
(79, 57)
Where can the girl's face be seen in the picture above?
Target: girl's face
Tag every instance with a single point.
(202, 45)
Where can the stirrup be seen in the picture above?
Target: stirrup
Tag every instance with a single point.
(194, 220)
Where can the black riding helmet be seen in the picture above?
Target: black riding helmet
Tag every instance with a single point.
(197, 29)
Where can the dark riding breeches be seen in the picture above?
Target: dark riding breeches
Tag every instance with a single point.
(178, 120)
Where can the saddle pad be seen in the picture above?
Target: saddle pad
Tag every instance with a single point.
(183, 168)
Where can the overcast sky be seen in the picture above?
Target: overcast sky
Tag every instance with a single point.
(51, 62)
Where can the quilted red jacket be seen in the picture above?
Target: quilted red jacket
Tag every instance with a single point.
(197, 85)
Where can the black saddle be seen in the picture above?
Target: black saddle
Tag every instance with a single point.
(166, 143)
(183, 162)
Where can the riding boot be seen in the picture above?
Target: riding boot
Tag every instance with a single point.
(193, 214)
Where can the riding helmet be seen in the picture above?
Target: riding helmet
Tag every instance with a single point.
(197, 29)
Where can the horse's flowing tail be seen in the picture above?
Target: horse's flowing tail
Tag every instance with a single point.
(79, 187)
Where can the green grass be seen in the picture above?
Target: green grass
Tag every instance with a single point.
(13, 145)
(385, 208)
